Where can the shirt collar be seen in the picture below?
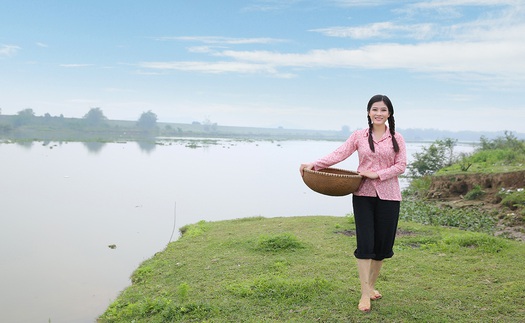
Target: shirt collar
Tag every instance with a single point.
(387, 133)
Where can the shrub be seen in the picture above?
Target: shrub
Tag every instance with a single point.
(418, 186)
(475, 194)
(509, 141)
(513, 199)
(434, 157)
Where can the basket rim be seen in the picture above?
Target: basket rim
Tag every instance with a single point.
(334, 175)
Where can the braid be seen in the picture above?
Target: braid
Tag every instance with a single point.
(370, 139)
(392, 126)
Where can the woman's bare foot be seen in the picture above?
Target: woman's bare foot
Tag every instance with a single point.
(364, 304)
(375, 294)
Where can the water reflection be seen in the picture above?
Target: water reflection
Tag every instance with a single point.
(94, 146)
(147, 146)
(25, 144)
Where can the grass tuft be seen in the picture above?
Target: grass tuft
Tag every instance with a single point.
(279, 242)
(194, 230)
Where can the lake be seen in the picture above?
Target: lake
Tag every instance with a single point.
(64, 204)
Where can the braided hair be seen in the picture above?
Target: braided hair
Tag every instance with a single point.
(391, 121)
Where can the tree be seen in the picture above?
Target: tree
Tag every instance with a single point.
(95, 116)
(147, 120)
(24, 117)
(509, 141)
(209, 126)
(434, 157)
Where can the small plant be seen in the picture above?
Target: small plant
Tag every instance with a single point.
(142, 274)
(475, 194)
(464, 162)
(182, 292)
(513, 199)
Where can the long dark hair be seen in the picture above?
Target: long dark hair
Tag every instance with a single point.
(391, 121)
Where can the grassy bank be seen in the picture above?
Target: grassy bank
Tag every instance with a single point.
(302, 269)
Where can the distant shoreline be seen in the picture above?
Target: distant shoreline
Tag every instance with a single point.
(47, 128)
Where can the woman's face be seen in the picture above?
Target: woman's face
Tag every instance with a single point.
(379, 113)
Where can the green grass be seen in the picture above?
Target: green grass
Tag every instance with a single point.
(480, 168)
(302, 269)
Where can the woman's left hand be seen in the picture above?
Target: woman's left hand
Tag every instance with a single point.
(368, 174)
(305, 166)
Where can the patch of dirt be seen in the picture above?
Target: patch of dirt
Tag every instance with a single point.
(454, 186)
(451, 190)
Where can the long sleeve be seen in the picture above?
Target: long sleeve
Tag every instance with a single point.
(341, 153)
(387, 163)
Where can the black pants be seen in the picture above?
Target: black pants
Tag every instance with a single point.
(376, 226)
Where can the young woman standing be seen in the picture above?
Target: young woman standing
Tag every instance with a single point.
(382, 158)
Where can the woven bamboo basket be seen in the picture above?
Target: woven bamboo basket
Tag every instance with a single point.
(332, 181)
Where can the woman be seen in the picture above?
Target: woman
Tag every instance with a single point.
(382, 158)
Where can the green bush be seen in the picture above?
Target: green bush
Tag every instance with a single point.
(432, 158)
(475, 194)
(496, 157)
(418, 186)
(508, 142)
(513, 199)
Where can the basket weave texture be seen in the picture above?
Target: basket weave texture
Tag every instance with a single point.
(332, 181)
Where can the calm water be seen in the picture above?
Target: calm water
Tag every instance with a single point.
(63, 204)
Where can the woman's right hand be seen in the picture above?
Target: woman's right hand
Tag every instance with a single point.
(308, 166)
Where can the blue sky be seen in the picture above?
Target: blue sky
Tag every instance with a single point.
(446, 64)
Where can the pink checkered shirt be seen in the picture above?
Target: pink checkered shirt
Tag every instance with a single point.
(384, 161)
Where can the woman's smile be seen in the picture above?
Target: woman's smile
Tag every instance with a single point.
(379, 113)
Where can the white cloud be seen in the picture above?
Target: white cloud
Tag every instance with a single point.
(223, 40)
(482, 57)
(473, 60)
(452, 9)
(8, 50)
(200, 49)
(486, 48)
(216, 67)
(438, 4)
(208, 67)
(380, 30)
(271, 5)
(75, 65)
(359, 3)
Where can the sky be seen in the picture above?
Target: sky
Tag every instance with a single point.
(456, 65)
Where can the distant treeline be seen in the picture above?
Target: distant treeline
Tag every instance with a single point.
(94, 126)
